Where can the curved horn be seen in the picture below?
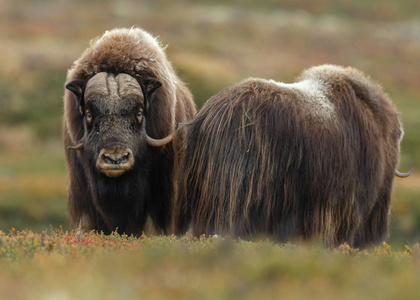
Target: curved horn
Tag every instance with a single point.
(158, 142)
(161, 142)
(403, 175)
(79, 146)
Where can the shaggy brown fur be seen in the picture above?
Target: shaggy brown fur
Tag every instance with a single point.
(310, 160)
(98, 202)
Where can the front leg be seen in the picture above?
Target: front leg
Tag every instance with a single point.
(86, 224)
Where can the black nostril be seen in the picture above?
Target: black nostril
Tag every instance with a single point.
(109, 159)
(123, 158)
(115, 158)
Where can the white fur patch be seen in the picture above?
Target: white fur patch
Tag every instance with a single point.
(315, 97)
(147, 37)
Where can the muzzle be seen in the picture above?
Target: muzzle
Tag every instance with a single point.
(115, 160)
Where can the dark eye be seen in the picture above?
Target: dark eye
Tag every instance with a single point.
(139, 115)
(88, 116)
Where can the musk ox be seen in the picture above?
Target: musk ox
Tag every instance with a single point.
(309, 160)
(120, 167)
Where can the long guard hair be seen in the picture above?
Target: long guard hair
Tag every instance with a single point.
(309, 160)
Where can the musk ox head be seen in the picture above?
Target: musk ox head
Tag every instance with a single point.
(114, 110)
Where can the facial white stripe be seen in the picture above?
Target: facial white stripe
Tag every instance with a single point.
(112, 86)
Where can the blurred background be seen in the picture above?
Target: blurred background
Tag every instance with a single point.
(211, 46)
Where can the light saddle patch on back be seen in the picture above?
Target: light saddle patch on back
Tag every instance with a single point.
(314, 97)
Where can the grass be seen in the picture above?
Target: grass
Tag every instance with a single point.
(405, 216)
(32, 181)
(66, 266)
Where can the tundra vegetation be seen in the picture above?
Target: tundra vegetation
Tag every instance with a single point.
(59, 265)
(212, 47)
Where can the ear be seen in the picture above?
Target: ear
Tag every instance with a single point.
(149, 87)
(77, 88)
